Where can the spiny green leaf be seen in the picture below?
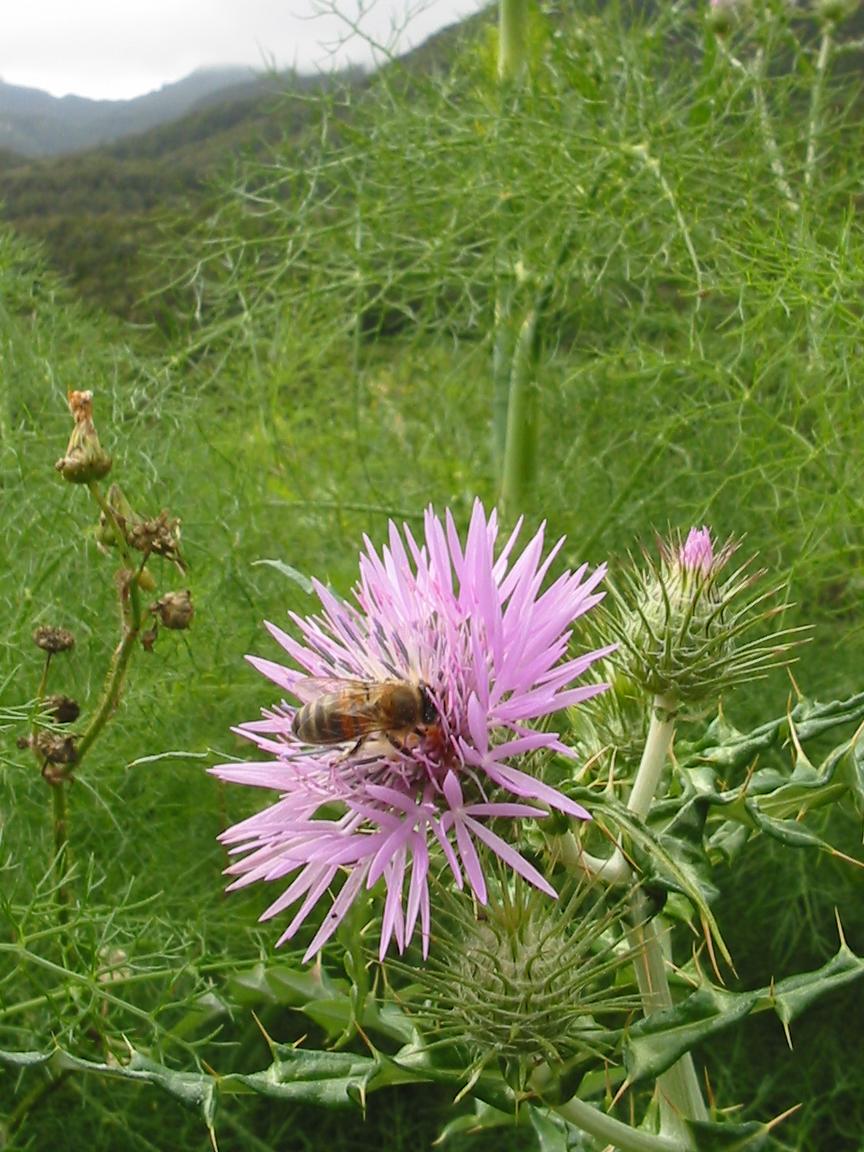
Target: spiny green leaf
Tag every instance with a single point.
(551, 1131)
(195, 1089)
(484, 1118)
(283, 984)
(709, 1137)
(656, 1042)
(726, 748)
(332, 1079)
(677, 864)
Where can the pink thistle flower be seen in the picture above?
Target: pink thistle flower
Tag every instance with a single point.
(487, 643)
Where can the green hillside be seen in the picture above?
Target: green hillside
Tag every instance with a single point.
(100, 212)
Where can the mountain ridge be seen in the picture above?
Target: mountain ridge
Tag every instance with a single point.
(34, 124)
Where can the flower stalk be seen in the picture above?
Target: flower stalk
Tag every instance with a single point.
(61, 844)
(132, 620)
(520, 444)
(615, 1133)
(512, 40)
(664, 709)
(516, 344)
(679, 1092)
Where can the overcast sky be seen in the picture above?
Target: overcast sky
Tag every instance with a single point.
(116, 49)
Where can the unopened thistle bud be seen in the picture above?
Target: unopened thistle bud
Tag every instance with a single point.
(530, 981)
(85, 459)
(53, 640)
(682, 625)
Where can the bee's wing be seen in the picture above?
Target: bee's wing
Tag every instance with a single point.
(311, 688)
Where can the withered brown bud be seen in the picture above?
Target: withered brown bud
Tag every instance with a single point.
(148, 639)
(85, 458)
(63, 709)
(54, 748)
(159, 536)
(174, 609)
(53, 639)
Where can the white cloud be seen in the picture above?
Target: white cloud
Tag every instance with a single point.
(121, 48)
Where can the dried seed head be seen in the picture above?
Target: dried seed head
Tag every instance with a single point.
(158, 536)
(53, 748)
(174, 609)
(53, 640)
(62, 709)
(85, 459)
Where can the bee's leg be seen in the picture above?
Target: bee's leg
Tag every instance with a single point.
(352, 752)
(407, 743)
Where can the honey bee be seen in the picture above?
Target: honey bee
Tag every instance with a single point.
(338, 711)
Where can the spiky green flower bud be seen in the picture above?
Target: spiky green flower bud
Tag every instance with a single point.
(528, 980)
(683, 624)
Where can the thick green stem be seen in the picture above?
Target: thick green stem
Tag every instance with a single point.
(680, 1093)
(512, 40)
(520, 445)
(512, 378)
(657, 745)
(502, 352)
(814, 128)
(607, 1130)
(612, 870)
(678, 1088)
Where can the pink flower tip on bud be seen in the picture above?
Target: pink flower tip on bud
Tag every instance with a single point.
(697, 551)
